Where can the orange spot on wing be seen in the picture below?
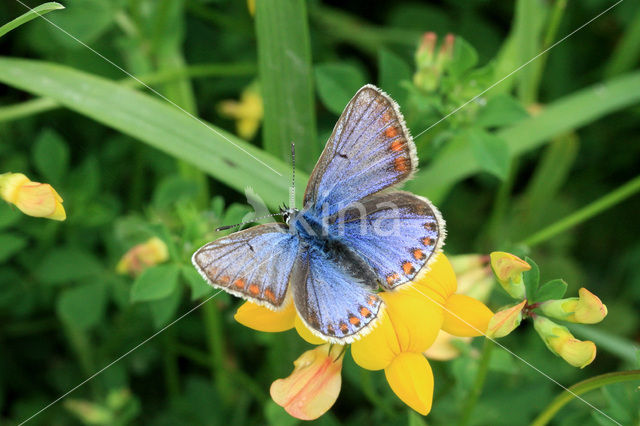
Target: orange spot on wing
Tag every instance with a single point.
(270, 295)
(372, 300)
(400, 164)
(430, 226)
(354, 320)
(254, 289)
(397, 145)
(418, 254)
(344, 328)
(239, 283)
(408, 268)
(365, 312)
(427, 241)
(391, 132)
(386, 116)
(392, 278)
(225, 279)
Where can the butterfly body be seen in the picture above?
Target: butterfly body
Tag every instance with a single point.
(354, 234)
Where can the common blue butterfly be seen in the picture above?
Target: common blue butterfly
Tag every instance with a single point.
(354, 234)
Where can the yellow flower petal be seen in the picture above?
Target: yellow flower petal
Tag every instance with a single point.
(261, 318)
(411, 378)
(314, 385)
(377, 349)
(465, 316)
(508, 269)
(586, 309)
(141, 256)
(416, 320)
(561, 342)
(306, 333)
(439, 282)
(32, 198)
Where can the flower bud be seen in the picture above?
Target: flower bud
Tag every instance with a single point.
(141, 256)
(32, 198)
(475, 278)
(508, 269)
(314, 385)
(562, 343)
(586, 309)
(505, 321)
(430, 66)
(89, 413)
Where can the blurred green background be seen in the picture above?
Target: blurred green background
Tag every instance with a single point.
(545, 143)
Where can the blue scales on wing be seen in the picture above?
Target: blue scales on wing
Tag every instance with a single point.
(396, 232)
(331, 301)
(254, 264)
(370, 149)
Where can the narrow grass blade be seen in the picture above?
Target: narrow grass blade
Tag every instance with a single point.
(157, 123)
(28, 16)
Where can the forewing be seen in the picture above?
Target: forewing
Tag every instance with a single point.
(254, 264)
(332, 303)
(370, 149)
(397, 233)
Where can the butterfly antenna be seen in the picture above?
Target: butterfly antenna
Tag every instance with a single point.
(292, 188)
(223, 228)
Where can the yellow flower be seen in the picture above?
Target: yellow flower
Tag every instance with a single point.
(314, 385)
(141, 256)
(32, 198)
(505, 321)
(247, 112)
(407, 327)
(410, 324)
(508, 269)
(475, 277)
(586, 309)
(562, 343)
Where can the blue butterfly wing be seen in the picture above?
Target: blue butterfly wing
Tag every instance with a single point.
(330, 299)
(397, 233)
(254, 264)
(369, 150)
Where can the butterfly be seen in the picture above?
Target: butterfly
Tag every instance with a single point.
(354, 234)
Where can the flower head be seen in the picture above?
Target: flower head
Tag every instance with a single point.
(586, 309)
(247, 112)
(141, 256)
(314, 385)
(431, 65)
(32, 198)
(508, 269)
(562, 343)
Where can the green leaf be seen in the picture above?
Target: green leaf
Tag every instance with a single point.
(393, 71)
(337, 83)
(286, 79)
(277, 416)
(10, 244)
(51, 156)
(491, 153)
(563, 115)
(159, 124)
(464, 58)
(199, 287)
(82, 306)
(553, 290)
(9, 215)
(501, 110)
(173, 189)
(163, 310)
(531, 279)
(65, 264)
(28, 16)
(156, 282)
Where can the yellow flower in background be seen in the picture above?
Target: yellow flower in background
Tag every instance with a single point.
(314, 385)
(446, 347)
(586, 309)
(508, 269)
(405, 329)
(32, 198)
(247, 112)
(141, 256)
(562, 343)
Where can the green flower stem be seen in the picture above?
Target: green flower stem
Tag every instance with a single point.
(39, 105)
(585, 213)
(580, 388)
(215, 342)
(478, 383)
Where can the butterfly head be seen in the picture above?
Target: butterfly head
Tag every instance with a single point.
(288, 213)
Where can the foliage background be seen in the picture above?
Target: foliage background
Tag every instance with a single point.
(499, 176)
